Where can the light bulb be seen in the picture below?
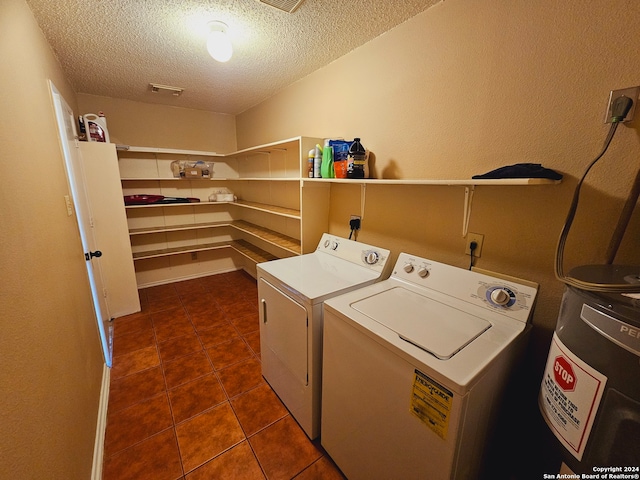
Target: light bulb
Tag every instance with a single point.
(218, 43)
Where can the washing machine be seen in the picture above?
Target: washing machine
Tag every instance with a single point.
(414, 367)
(291, 293)
(590, 391)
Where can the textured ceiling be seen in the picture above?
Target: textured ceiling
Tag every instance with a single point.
(116, 48)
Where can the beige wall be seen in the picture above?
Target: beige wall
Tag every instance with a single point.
(461, 89)
(50, 357)
(150, 125)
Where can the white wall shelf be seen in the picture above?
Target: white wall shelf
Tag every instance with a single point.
(468, 184)
(262, 207)
(285, 212)
(418, 181)
(249, 251)
(270, 236)
(170, 151)
(265, 221)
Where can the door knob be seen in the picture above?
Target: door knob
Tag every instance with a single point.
(90, 255)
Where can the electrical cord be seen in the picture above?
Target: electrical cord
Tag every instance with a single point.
(620, 108)
(472, 248)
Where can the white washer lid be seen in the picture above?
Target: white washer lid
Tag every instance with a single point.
(435, 327)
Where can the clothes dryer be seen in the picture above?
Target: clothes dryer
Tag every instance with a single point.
(291, 292)
(414, 367)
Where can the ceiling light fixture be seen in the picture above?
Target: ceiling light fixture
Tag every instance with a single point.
(218, 43)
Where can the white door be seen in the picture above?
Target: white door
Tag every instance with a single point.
(75, 173)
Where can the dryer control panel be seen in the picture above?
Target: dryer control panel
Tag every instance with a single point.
(355, 252)
(508, 296)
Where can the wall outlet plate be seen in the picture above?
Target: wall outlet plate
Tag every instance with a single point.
(355, 218)
(632, 93)
(474, 237)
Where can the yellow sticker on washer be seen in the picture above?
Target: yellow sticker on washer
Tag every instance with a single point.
(431, 403)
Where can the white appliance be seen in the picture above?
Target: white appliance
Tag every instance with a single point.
(414, 367)
(291, 292)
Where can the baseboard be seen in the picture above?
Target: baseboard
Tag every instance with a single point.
(98, 449)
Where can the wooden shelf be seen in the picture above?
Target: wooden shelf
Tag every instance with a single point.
(266, 149)
(163, 252)
(418, 181)
(185, 204)
(166, 179)
(285, 212)
(252, 252)
(270, 236)
(243, 247)
(172, 151)
(217, 179)
(260, 179)
(263, 207)
(177, 228)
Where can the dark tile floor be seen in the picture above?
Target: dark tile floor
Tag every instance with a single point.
(187, 397)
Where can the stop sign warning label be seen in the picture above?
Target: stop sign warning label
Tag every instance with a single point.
(563, 374)
(570, 393)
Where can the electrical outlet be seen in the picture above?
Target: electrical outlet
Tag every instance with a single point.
(632, 93)
(474, 237)
(354, 222)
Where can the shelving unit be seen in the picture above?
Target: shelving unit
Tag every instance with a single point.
(263, 223)
(278, 211)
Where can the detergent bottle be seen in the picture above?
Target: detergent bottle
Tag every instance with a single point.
(327, 161)
(357, 160)
(96, 127)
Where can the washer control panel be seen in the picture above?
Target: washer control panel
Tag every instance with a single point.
(499, 295)
(355, 252)
(506, 296)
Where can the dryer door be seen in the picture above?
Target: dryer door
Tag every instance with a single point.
(283, 340)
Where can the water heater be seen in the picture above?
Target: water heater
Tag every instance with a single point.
(590, 392)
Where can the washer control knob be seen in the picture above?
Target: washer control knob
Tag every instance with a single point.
(326, 243)
(500, 296)
(334, 245)
(371, 258)
(408, 268)
(423, 272)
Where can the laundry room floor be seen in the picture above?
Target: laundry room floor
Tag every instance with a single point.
(187, 398)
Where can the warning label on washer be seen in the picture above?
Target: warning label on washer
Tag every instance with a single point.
(431, 403)
(569, 396)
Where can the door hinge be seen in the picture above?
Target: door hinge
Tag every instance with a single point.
(104, 292)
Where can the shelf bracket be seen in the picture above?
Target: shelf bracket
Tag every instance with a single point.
(468, 201)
